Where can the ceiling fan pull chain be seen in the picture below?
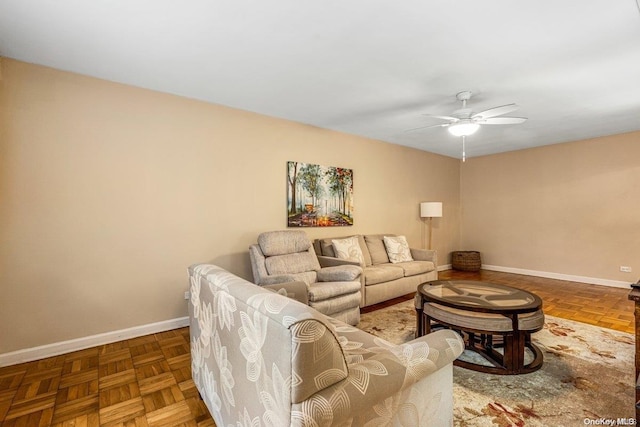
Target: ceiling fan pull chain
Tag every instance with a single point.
(464, 151)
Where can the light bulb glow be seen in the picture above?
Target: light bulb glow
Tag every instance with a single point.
(463, 128)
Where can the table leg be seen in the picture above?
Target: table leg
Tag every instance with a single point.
(514, 348)
(419, 322)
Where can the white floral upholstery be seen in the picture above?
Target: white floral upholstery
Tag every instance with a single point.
(262, 359)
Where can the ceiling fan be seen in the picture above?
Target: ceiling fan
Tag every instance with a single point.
(465, 122)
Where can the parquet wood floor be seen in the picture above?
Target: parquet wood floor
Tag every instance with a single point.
(146, 381)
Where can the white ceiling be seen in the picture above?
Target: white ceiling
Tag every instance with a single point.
(365, 67)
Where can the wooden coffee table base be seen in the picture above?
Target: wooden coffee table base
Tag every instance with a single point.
(489, 316)
(485, 343)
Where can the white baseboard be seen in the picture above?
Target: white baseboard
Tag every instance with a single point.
(444, 267)
(55, 349)
(559, 276)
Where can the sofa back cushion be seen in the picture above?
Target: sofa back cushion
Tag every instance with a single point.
(283, 242)
(326, 246)
(292, 263)
(378, 251)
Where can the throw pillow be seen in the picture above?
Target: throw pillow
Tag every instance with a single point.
(348, 249)
(397, 249)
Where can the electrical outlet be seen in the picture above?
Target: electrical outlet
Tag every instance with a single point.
(625, 269)
(187, 295)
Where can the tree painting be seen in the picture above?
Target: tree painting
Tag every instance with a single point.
(319, 196)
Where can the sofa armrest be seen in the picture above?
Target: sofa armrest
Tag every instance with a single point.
(425, 255)
(329, 261)
(444, 346)
(339, 273)
(390, 370)
(294, 290)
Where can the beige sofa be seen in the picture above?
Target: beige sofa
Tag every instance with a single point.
(260, 358)
(382, 280)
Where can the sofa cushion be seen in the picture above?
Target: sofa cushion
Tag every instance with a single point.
(382, 273)
(414, 268)
(397, 249)
(326, 247)
(376, 248)
(307, 277)
(339, 273)
(283, 242)
(348, 248)
(292, 263)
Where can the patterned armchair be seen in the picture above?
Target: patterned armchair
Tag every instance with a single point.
(260, 358)
(287, 256)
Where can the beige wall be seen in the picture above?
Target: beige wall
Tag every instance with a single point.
(108, 193)
(572, 209)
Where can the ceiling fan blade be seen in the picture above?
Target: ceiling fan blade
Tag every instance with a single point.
(450, 118)
(503, 121)
(428, 127)
(496, 111)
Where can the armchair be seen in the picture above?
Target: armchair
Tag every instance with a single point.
(288, 256)
(258, 358)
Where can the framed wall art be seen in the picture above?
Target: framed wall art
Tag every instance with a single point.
(319, 196)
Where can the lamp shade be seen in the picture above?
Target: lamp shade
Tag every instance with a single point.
(431, 209)
(463, 128)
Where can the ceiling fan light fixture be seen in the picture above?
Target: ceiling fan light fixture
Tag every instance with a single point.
(463, 128)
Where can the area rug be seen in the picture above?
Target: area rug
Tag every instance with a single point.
(587, 376)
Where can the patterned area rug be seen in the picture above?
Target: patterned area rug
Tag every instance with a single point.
(587, 376)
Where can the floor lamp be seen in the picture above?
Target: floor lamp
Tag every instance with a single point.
(430, 210)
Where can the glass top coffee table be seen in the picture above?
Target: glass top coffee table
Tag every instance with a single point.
(490, 317)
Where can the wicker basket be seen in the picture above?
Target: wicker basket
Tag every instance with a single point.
(466, 260)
